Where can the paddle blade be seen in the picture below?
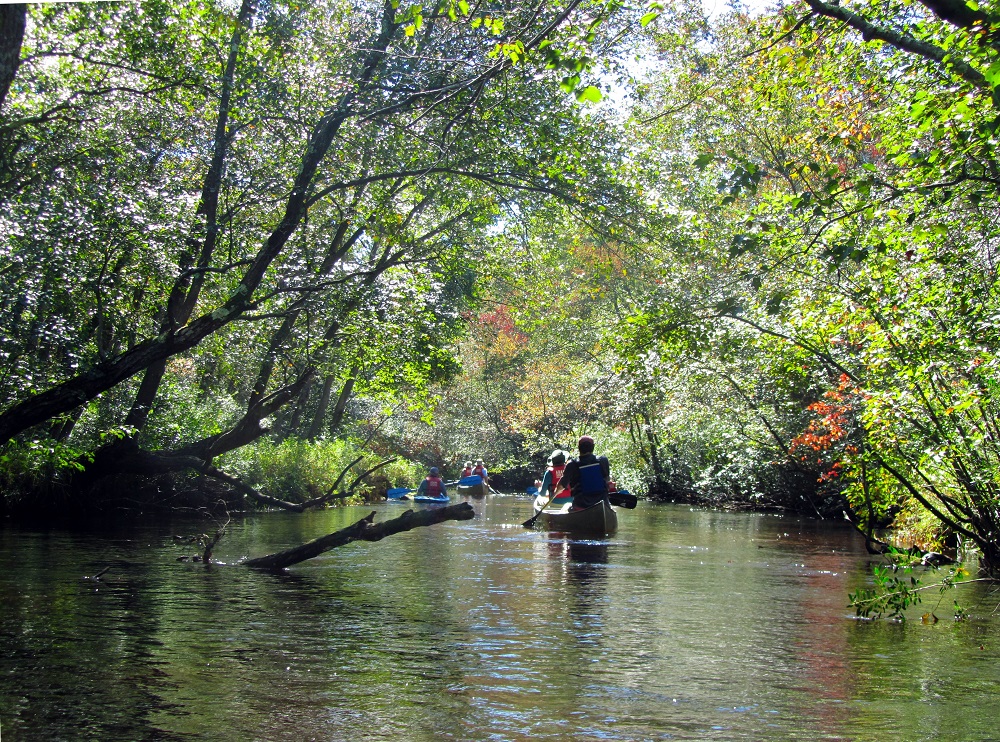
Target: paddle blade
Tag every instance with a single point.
(531, 521)
(623, 500)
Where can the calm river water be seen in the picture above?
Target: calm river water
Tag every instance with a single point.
(688, 624)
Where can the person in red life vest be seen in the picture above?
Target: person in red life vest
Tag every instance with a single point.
(551, 479)
(433, 485)
(587, 477)
(481, 470)
(467, 471)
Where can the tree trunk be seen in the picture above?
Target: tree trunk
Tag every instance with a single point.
(187, 286)
(363, 530)
(342, 400)
(12, 22)
(62, 427)
(654, 448)
(321, 408)
(958, 12)
(289, 426)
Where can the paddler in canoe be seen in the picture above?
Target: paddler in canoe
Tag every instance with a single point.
(550, 482)
(588, 479)
(473, 481)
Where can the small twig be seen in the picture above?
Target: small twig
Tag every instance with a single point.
(206, 556)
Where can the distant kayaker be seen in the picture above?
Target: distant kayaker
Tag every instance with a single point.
(480, 470)
(433, 485)
(467, 471)
(587, 477)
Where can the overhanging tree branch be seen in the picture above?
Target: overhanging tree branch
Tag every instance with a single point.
(901, 41)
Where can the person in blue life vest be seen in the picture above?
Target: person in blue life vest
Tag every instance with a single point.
(552, 478)
(433, 485)
(588, 477)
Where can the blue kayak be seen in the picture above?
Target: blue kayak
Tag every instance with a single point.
(428, 498)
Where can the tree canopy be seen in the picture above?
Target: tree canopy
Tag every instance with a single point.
(755, 254)
(253, 198)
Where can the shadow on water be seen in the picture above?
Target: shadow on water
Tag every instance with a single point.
(588, 570)
(584, 566)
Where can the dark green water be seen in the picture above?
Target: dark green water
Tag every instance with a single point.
(686, 625)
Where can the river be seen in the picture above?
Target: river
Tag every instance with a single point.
(687, 624)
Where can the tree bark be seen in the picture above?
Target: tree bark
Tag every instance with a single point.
(324, 403)
(12, 23)
(363, 530)
(342, 400)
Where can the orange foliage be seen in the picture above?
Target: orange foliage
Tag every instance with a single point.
(832, 425)
(501, 322)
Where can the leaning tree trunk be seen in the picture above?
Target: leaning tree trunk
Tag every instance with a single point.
(12, 23)
(345, 395)
(184, 295)
(363, 530)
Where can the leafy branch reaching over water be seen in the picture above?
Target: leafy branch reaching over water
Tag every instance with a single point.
(893, 592)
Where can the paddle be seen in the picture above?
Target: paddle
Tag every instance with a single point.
(531, 521)
(623, 499)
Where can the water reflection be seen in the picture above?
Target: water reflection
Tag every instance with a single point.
(587, 572)
(685, 625)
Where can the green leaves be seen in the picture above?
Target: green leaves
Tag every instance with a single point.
(655, 9)
(891, 595)
(730, 305)
(456, 9)
(589, 94)
(773, 305)
(494, 25)
(704, 160)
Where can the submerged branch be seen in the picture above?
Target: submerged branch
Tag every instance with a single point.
(363, 530)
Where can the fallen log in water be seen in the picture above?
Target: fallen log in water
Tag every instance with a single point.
(363, 530)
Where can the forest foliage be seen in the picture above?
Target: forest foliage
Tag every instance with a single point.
(753, 254)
